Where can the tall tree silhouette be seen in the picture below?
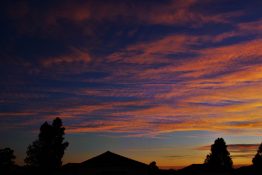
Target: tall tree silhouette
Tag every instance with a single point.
(47, 151)
(257, 160)
(6, 159)
(219, 159)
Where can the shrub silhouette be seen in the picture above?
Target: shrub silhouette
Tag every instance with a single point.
(257, 160)
(219, 159)
(6, 159)
(47, 151)
(153, 168)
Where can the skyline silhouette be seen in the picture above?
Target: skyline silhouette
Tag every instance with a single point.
(44, 156)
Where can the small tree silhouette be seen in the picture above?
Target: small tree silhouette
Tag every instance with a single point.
(257, 160)
(47, 152)
(6, 159)
(219, 159)
(153, 168)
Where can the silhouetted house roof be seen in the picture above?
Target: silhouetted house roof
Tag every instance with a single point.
(247, 170)
(193, 169)
(106, 164)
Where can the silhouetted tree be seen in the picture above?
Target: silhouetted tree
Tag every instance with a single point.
(257, 160)
(47, 151)
(153, 168)
(219, 159)
(6, 159)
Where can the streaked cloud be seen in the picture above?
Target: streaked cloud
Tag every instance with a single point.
(167, 12)
(76, 56)
(235, 147)
(237, 150)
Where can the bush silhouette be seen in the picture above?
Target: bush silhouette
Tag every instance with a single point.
(153, 168)
(219, 159)
(47, 151)
(257, 160)
(6, 159)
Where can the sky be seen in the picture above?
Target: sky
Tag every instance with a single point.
(153, 80)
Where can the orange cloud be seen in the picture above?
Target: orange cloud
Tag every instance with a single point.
(239, 152)
(235, 147)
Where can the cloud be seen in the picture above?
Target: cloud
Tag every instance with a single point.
(43, 18)
(13, 114)
(195, 103)
(177, 156)
(167, 13)
(75, 57)
(237, 150)
(249, 156)
(179, 81)
(254, 27)
(204, 92)
(243, 147)
(235, 147)
(181, 12)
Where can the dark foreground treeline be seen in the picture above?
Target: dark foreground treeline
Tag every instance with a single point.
(195, 169)
(44, 156)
